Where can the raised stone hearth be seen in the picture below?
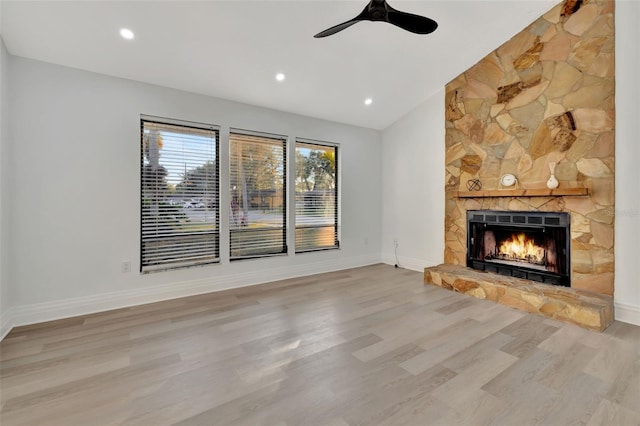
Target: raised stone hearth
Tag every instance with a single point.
(584, 308)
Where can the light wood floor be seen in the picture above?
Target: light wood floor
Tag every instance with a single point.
(371, 345)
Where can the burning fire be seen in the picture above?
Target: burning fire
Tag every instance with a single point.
(521, 247)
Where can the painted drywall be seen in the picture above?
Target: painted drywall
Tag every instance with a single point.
(627, 215)
(413, 205)
(4, 228)
(424, 132)
(75, 191)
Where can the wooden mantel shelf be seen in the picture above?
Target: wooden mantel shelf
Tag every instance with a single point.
(542, 192)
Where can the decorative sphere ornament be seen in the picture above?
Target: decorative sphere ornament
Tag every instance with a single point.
(474, 185)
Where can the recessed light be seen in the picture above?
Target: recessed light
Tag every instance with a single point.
(368, 101)
(280, 76)
(127, 34)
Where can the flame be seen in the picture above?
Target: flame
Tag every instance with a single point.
(521, 247)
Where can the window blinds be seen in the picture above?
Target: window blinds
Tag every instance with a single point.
(316, 197)
(257, 195)
(179, 195)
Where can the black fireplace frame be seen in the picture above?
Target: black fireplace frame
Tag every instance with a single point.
(525, 220)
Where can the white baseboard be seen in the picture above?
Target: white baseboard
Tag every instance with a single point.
(407, 262)
(49, 311)
(627, 313)
(6, 322)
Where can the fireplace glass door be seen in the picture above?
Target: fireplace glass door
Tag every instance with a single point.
(530, 245)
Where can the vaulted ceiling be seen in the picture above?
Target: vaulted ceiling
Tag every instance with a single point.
(233, 49)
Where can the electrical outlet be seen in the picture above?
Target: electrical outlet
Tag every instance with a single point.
(126, 267)
(395, 241)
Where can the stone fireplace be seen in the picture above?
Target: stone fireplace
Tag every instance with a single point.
(542, 101)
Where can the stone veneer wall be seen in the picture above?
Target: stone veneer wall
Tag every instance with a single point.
(546, 95)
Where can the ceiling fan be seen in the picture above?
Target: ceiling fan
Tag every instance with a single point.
(379, 10)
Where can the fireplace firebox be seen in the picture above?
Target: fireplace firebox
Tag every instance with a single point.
(530, 245)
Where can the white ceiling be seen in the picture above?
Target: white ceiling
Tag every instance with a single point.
(233, 49)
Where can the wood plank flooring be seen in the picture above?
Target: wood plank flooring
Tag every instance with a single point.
(365, 346)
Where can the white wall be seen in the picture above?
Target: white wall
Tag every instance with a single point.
(76, 133)
(412, 187)
(75, 192)
(627, 224)
(4, 142)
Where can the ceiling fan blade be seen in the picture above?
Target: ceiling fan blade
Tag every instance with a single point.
(337, 28)
(410, 22)
(380, 10)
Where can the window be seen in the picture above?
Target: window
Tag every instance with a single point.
(316, 196)
(258, 203)
(179, 195)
